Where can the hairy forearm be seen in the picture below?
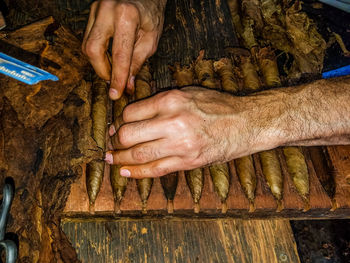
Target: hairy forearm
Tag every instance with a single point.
(312, 114)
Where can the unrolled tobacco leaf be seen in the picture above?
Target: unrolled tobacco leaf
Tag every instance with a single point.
(247, 178)
(220, 175)
(297, 169)
(169, 184)
(95, 169)
(205, 71)
(225, 70)
(195, 181)
(183, 75)
(143, 90)
(272, 171)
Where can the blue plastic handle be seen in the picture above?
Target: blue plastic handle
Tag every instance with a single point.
(343, 71)
(22, 71)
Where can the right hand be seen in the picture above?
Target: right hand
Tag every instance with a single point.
(135, 26)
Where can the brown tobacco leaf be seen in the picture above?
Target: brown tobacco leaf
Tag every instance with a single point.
(224, 68)
(273, 174)
(95, 169)
(220, 175)
(183, 75)
(169, 184)
(52, 48)
(143, 90)
(205, 71)
(247, 178)
(195, 182)
(118, 182)
(45, 162)
(143, 83)
(268, 66)
(298, 171)
(250, 75)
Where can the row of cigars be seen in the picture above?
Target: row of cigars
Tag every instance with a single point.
(243, 72)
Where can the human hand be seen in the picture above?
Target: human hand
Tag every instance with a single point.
(135, 26)
(182, 130)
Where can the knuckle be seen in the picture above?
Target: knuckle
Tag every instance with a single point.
(122, 135)
(173, 99)
(92, 49)
(128, 9)
(179, 124)
(140, 154)
(189, 145)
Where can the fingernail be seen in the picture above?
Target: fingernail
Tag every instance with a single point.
(113, 94)
(125, 173)
(109, 158)
(111, 130)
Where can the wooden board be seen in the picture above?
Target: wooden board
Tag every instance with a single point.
(223, 240)
(207, 25)
(320, 203)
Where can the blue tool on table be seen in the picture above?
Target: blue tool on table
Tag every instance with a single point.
(343, 71)
(9, 246)
(22, 71)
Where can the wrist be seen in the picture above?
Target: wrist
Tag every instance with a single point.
(263, 117)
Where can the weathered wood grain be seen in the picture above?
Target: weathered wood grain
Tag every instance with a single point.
(340, 156)
(221, 240)
(237, 203)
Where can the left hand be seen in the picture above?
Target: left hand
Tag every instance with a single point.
(181, 130)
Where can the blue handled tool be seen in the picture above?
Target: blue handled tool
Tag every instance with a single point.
(22, 71)
(343, 71)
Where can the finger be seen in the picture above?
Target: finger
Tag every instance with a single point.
(143, 109)
(118, 122)
(97, 42)
(134, 133)
(91, 21)
(123, 45)
(142, 51)
(143, 153)
(153, 169)
(96, 48)
(137, 111)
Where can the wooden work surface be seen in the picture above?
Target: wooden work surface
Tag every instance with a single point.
(222, 240)
(207, 25)
(238, 206)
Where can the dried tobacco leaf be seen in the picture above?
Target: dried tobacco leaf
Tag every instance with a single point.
(272, 171)
(220, 175)
(225, 70)
(246, 174)
(95, 169)
(297, 169)
(195, 181)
